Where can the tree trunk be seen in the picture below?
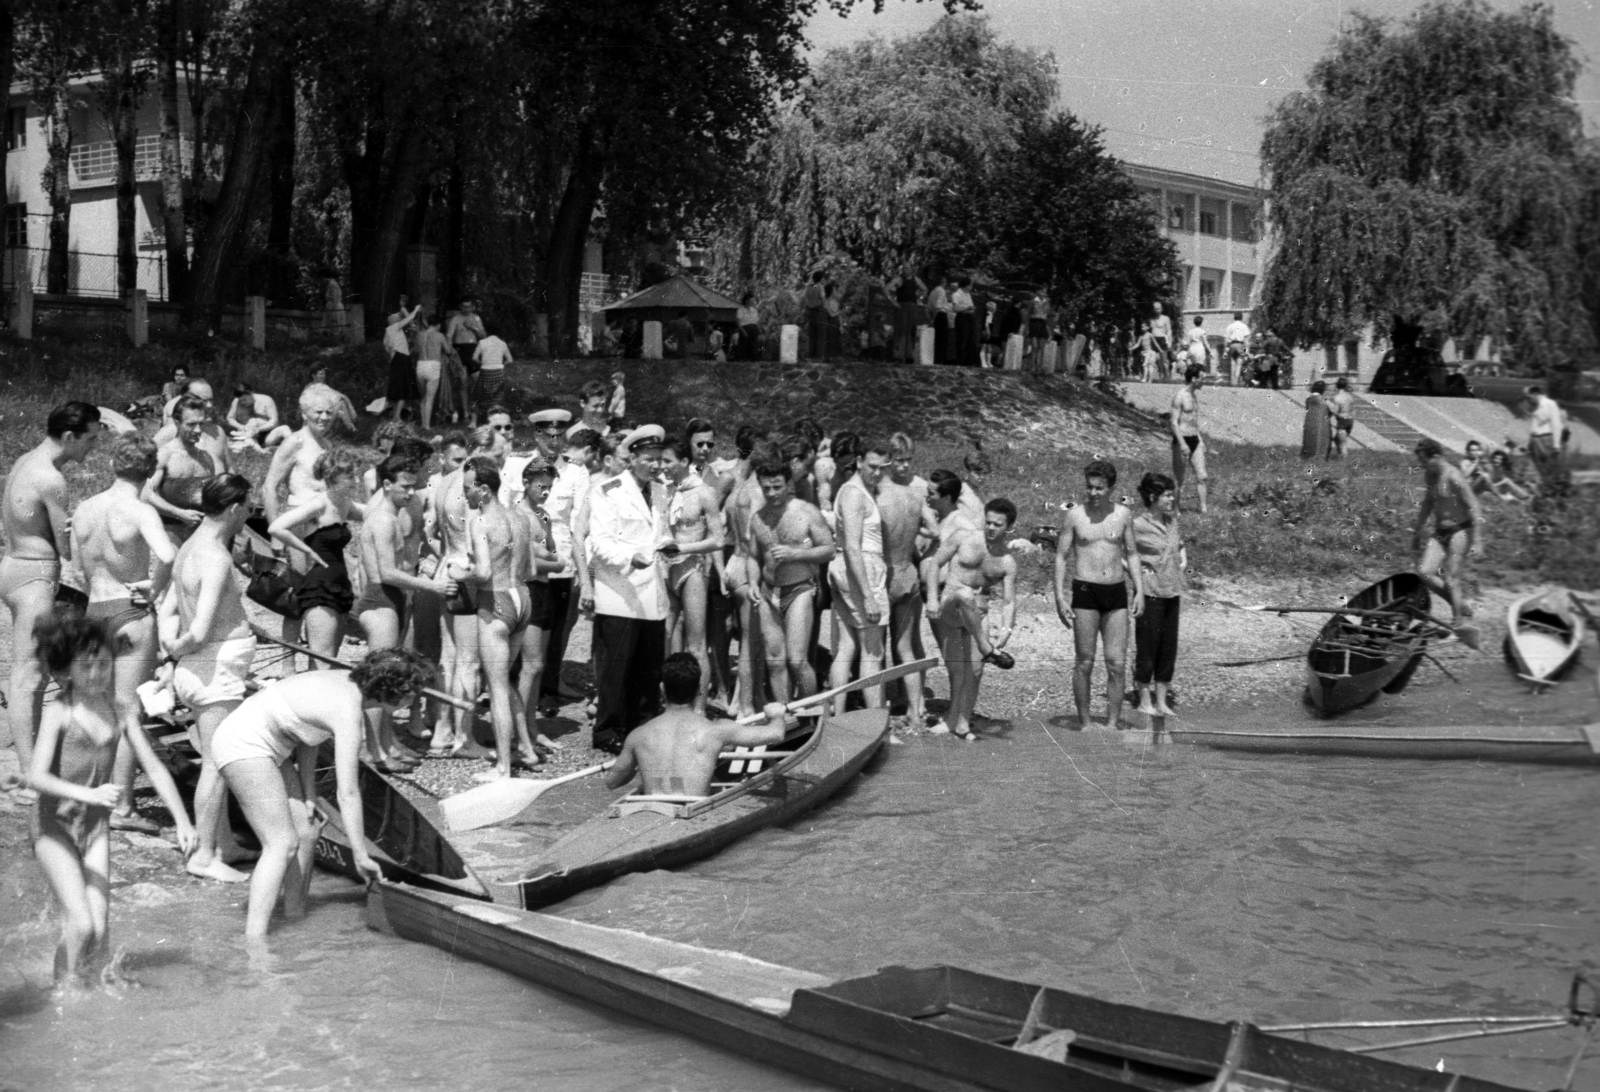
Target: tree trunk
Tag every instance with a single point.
(123, 114)
(174, 224)
(379, 283)
(58, 183)
(451, 288)
(569, 236)
(282, 274)
(223, 236)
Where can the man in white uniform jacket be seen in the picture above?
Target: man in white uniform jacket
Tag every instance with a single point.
(627, 527)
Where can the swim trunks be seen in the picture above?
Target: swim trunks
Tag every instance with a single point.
(1346, 424)
(214, 673)
(1192, 442)
(788, 593)
(508, 605)
(903, 582)
(381, 597)
(1444, 531)
(543, 605)
(118, 615)
(1104, 598)
(681, 568)
(263, 727)
(849, 607)
(17, 573)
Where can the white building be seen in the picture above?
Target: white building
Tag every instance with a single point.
(92, 245)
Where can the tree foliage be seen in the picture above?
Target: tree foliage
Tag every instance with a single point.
(1433, 163)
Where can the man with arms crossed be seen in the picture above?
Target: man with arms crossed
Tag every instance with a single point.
(694, 557)
(627, 528)
(902, 501)
(977, 562)
(788, 540)
(126, 558)
(1188, 445)
(859, 574)
(499, 557)
(675, 754)
(36, 521)
(1100, 532)
(1448, 499)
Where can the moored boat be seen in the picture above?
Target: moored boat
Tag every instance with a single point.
(1356, 655)
(1558, 745)
(1544, 636)
(938, 1028)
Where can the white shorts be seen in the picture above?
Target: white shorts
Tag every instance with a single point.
(428, 371)
(215, 673)
(254, 731)
(848, 607)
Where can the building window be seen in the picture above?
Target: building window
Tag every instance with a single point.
(16, 128)
(1180, 212)
(1210, 287)
(1245, 227)
(16, 227)
(1213, 214)
(1244, 287)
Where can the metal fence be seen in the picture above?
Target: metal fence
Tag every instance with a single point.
(88, 274)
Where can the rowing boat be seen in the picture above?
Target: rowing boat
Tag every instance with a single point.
(937, 1028)
(1353, 658)
(572, 840)
(1577, 745)
(1543, 637)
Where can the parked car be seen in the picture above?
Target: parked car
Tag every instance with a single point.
(1493, 380)
(1418, 371)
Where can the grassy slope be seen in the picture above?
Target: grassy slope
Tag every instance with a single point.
(1271, 514)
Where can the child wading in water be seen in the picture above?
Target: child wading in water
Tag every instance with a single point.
(72, 767)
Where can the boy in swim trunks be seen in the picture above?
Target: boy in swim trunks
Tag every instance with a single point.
(36, 518)
(908, 525)
(694, 557)
(1343, 409)
(1449, 501)
(976, 563)
(1100, 533)
(738, 584)
(126, 559)
(71, 770)
(859, 575)
(788, 540)
(1188, 444)
(499, 556)
(543, 614)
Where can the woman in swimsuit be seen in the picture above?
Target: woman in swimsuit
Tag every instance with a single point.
(267, 752)
(72, 773)
(325, 594)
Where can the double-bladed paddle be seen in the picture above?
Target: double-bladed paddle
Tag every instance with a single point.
(436, 695)
(1468, 634)
(506, 798)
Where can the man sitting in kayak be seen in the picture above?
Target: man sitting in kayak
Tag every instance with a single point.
(676, 753)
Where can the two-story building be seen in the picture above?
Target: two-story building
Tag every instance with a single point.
(92, 237)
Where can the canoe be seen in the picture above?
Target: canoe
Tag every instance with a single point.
(548, 853)
(1577, 745)
(1353, 658)
(937, 1028)
(1543, 637)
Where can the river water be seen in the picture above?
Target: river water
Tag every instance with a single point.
(1270, 888)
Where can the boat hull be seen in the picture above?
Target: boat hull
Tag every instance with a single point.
(1544, 637)
(876, 1033)
(1339, 679)
(1565, 746)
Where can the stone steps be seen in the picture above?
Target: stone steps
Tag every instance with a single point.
(1391, 428)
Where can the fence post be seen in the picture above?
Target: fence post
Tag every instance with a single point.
(651, 349)
(355, 317)
(925, 345)
(255, 313)
(138, 317)
(22, 308)
(789, 344)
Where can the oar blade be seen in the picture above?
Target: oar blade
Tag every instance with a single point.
(489, 804)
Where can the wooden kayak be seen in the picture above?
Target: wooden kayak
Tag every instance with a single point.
(1353, 658)
(1543, 637)
(1569, 745)
(548, 853)
(942, 1029)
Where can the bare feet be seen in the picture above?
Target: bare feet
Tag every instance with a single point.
(495, 774)
(545, 741)
(1146, 708)
(939, 729)
(1162, 710)
(215, 870)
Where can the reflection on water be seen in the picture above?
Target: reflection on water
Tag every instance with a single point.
(1218, 885)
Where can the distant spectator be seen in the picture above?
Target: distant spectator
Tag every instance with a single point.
(250, 414)
(491, 355)
(333, 313)
(1504, 481)
(835, 327)
(748, 342)
(714, 350)
(1038, 330)
(814, 301)
(464, 330)
(345, 411)
(908, 293)
(432, 349)
(1545, 428)
(180, 380)
(966, 325)
(677, 336)
(943, 318)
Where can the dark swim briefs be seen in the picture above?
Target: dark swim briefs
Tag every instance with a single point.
(381, 597)
(1192, 442)
(1346, 424)
(1444, 531)
(1104, 598)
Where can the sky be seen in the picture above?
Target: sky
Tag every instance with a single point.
(1185, 85)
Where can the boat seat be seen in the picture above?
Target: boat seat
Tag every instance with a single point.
(670, 804)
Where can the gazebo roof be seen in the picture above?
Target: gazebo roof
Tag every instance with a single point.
(675, 293)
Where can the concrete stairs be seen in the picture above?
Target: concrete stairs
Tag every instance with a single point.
(1390, 427)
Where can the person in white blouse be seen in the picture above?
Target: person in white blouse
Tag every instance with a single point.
(627, 528)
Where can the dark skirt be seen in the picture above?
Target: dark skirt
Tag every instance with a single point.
(402, 379)
(941, 337)
(966, 347)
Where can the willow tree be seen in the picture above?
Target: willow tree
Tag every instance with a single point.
(881, 149)
(1432, 166)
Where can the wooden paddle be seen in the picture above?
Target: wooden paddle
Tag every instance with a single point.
(501, 800)
(436, 695)
(1468, 634)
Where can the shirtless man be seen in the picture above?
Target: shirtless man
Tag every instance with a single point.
(452, 544)
(1449, 501)
(390, 531)
(721, 610)
(126, 558)
(35, 516)
(1100, 532)
(739, 578)
(542, 560)
(214, 438)
(788, 540)
(1161, 335)
(294, 463)
(675, 754)
(694, 558)
(977, 562)
(859, 574)
(1188, 444)
(903, 501)
(1343, 410)
(183, 466)
(499, 557)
